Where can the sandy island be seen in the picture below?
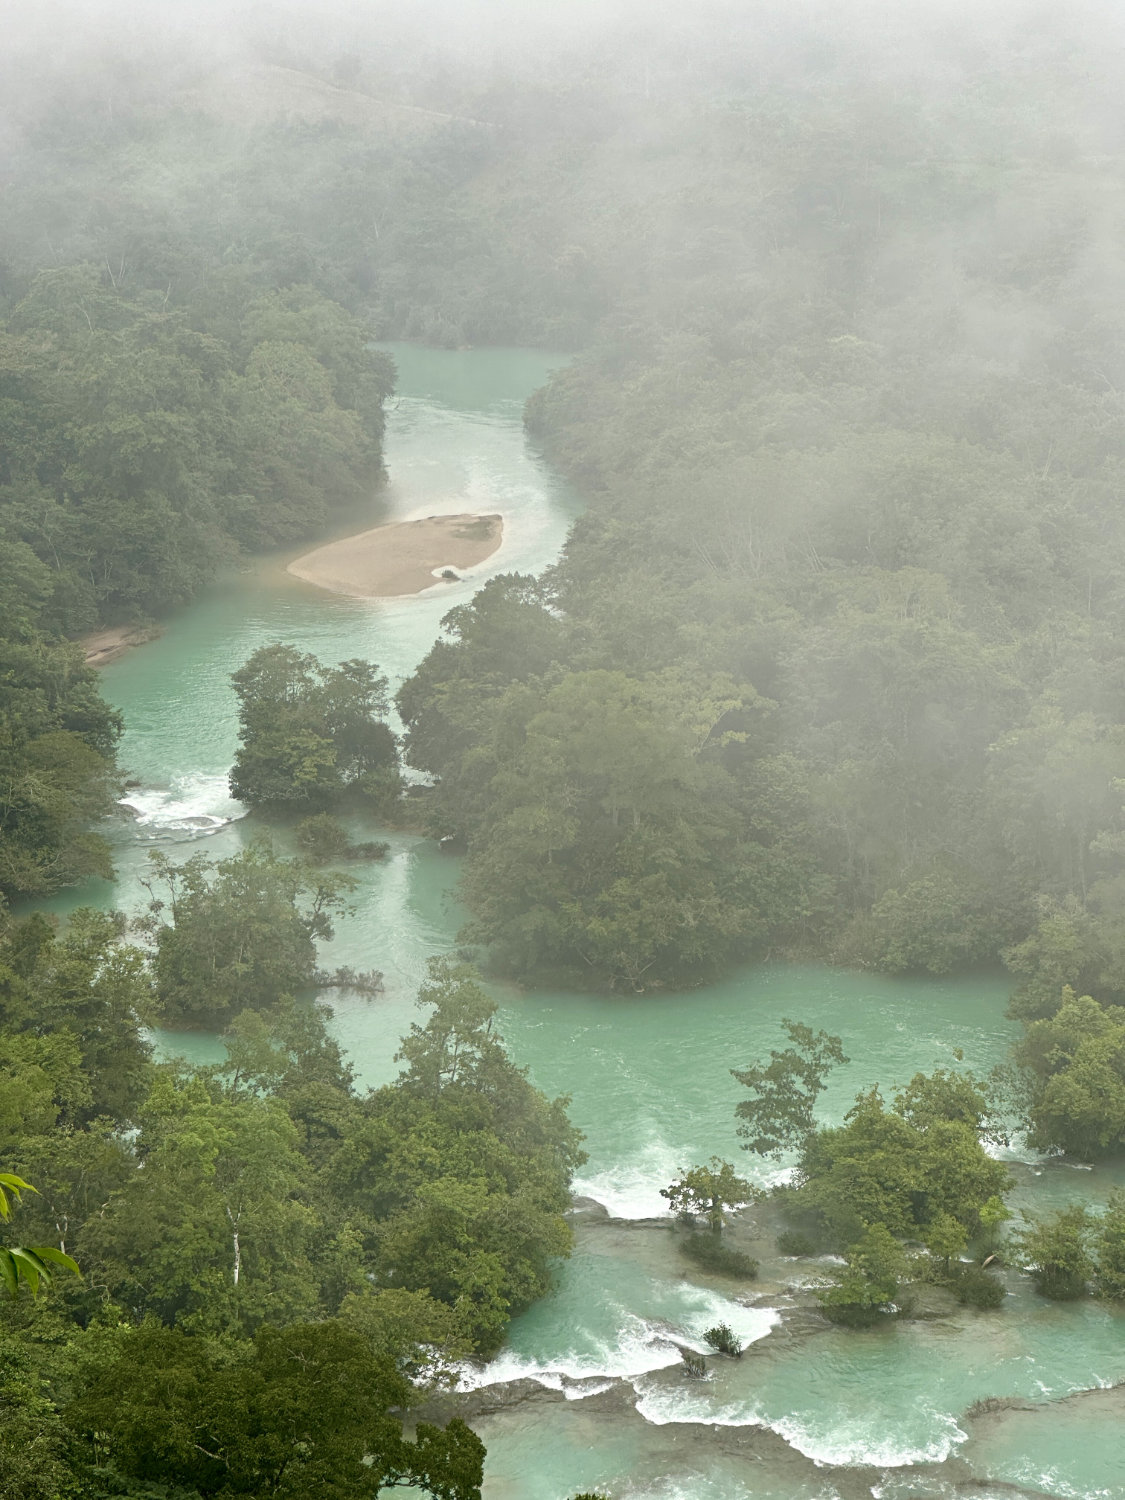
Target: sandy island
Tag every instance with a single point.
(404, 557)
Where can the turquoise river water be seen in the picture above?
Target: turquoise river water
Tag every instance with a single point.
(589, 1392)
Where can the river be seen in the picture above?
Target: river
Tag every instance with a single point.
(810, 1412)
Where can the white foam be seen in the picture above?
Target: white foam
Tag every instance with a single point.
(630, 1189)
(195, 804)
(841, 1445)
(835, 1444)
(638, 1347)
(626, 1192)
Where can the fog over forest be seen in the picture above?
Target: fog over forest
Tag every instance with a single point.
(562, 750)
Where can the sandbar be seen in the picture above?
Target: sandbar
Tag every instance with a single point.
(403, 557)
(102, 646)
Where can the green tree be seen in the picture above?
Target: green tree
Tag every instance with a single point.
(57, 740)
(779, 1115)
(461, 1168)
(87, 987)
(238, 933)
(322, 838)
(708, 1191)
(945, 1237)
(869, 1281)
(1075, 1061)
(312, 734)
(458, 1043)
(303, 1410)
(425, 1339)
(35, 1447)
(912, 1168)
(1056, 1250)
(214, 1228)
(18, 1263)
(1109, 1248)
(613, 843)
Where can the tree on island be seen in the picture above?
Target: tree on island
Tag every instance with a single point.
(708, 1191)
(868, 1283)
(916, 1171)
(1056, 1251)
(236, 934)
(908, 1173)
(312, 736)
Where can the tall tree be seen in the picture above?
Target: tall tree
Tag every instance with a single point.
(779, 1115)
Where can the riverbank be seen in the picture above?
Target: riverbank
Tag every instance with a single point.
(102, 646)
(403, 557)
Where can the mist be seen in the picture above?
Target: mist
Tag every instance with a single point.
(562, 749)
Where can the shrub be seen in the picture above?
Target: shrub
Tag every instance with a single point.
(708, 1251)
(793, 1242)
(1110, 1246)
(722, 1339)
(1056, 1252)
(868, 1283)
(976, 1288)
(373, 849)
(694, 1364)
(322, 837)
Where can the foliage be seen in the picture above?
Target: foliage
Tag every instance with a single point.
(602, 790)
(237, 933)
(68, 1022)
(303, 1409)
(694, 1365)
(271, 1262)
(885, 517)
(976, 1288)
(35, 1448)
(311, 735)
(464, 1165)
(920, 1174)
(992, 1216)
(794, 1242)
(712, 1255)
(779, 1115)
(322, 838)
(21, 1263)
(1075, 1060)
(144, 449)
(57, 739)
(868, 1283)
(214, 1227)
(426, 1339)
(1057, 1252)
(1109, 1248)
(708, 1191)
(722, 1339)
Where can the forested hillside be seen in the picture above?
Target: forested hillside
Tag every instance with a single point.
(273, 1265)
(831, 663)
(168, 402)
(846, 414)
